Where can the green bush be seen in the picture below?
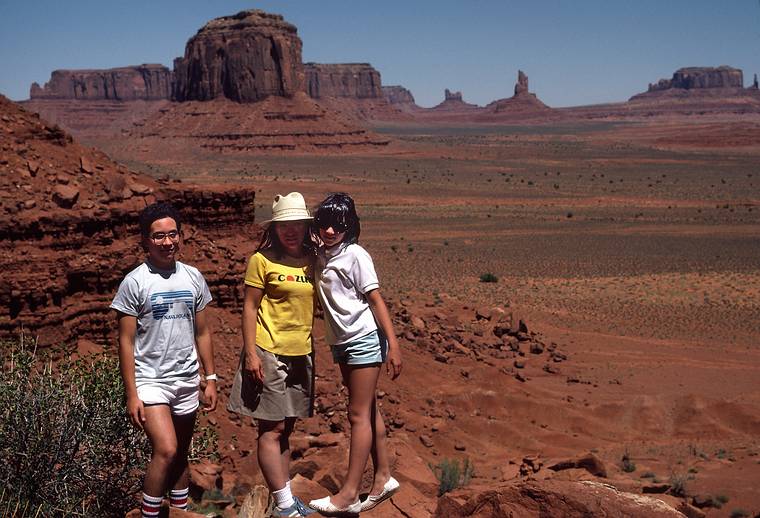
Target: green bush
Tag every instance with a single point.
(488, 277)
(451, 475)
(66, 446)
(627, 464)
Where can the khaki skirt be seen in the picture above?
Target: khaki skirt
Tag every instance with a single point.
(287, 391)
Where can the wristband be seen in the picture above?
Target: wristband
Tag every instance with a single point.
(211, 377)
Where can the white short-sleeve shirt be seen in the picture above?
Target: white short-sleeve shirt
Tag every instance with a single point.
(165, 304)
(346, 274)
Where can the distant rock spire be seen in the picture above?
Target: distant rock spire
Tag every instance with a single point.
(521, 87)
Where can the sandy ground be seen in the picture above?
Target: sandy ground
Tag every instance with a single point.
(635, 249)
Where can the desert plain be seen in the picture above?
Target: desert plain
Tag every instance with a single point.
(632, 246)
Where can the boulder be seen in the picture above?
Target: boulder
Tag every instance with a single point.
(245, 57)
(569, 499)
(65, 196)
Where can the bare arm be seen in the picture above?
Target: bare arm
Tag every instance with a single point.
(383, 319)
(127, 331)
(251, 304)
(206, 354)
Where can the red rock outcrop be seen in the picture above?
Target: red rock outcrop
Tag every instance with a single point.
(245, 57)
(452, 101)
(68, 225)
(553, 498)
(277, 123)
(398, 95)
(141, 82)
(522, 104)
(353, 80)
(701, 77)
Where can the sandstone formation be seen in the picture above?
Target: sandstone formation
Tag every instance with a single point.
(68, 214)
(275, 124)
(523, 103)
(245, 57)
(142, 82)
(690, 78)
(88, 119)
(554, 498)
(452, 101)
(398, 95)
(352, 80)
(521, 87)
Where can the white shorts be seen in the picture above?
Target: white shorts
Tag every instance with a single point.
(181, 395)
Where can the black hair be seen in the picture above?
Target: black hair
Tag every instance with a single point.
(338, 210)
(269, 240)
(156, 211)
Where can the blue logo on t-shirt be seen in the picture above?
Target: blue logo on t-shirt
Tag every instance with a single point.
(162, 302)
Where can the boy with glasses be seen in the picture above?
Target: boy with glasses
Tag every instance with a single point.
(163, 331)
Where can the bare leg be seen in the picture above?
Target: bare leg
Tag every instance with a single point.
(361, 382)
(183, 425)
(159, 428)
(273, 447)
(382, 469)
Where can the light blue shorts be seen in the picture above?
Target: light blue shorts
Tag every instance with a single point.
(365, 350)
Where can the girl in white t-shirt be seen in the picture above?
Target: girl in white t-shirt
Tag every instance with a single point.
(359, 330)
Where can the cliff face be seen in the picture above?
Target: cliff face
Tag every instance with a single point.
(245, 58)
(701, 77)
(143, 82)
(68, 219)
(353, 80)
(398, 95)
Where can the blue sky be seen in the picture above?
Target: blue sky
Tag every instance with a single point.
(574, 52)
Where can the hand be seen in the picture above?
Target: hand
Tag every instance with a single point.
(253, 367)
(210, 396)
(136, 411)
(393, 363)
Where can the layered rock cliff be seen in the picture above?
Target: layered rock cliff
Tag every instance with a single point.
(68, 228)
(245, 57)
(701, 77)
(353, 80)
(141, 82)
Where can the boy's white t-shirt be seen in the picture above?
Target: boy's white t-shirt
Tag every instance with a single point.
(165, 304)
(346, 274)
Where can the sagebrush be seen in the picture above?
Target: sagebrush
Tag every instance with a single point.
(66, 446)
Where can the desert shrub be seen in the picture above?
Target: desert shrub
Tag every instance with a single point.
(678, 484)
(66, 446)
(627, 464)
(739, 513)
(721, 498)
(451, 474)
(648, 474)
(488, 277)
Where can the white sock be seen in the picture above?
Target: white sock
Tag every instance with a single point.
(283, 498)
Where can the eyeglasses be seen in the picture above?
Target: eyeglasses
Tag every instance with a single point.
(326, 222)
(158, 237)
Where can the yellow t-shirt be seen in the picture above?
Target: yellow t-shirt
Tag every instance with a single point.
(283, 323)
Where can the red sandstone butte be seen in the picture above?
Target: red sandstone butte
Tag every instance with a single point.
(245, 57)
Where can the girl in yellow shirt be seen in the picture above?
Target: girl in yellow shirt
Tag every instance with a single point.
(274, 383)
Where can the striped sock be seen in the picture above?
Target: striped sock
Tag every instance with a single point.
(178, 498)
(151, 505)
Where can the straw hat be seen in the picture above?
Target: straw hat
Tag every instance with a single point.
(290, 207)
